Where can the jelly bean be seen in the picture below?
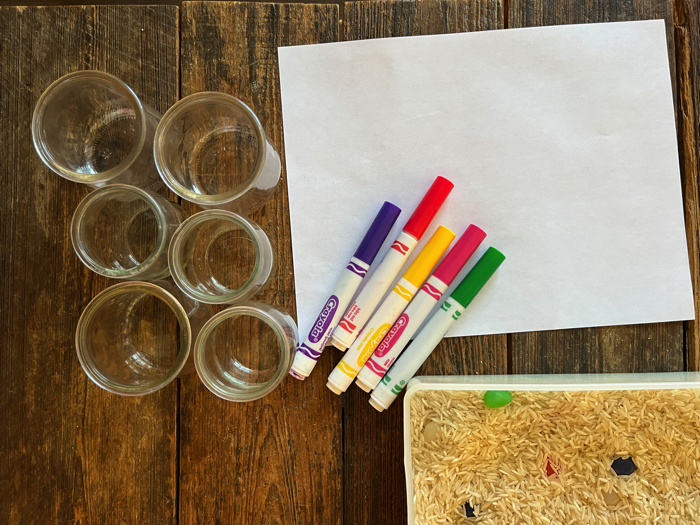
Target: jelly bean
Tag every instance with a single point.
(497, 398)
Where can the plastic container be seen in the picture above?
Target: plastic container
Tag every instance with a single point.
(542, 383)
(218, 257)
(134, 338)
(211, 149)
(244, 352)
(90, 127)
(123, 232)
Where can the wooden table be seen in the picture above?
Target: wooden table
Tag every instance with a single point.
(72, 453)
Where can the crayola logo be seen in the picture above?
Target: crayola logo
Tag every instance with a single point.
(372, 343)
(324, 319)
(393, 336)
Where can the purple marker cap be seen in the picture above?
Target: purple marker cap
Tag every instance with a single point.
(376, 235)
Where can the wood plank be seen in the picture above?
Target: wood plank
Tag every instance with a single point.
(276, 460)
(637, 348)
(69, 451)
(687, 43)
(374, 479)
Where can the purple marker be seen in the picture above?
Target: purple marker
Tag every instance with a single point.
(310, 350)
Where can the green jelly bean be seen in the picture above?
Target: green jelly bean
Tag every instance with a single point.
(497, 398)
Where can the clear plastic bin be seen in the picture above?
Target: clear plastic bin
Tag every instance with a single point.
(515, 383)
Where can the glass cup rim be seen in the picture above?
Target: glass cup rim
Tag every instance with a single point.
(164, 126)
(38, 131)
(77, 224)
(93, 306)
(175, 248)
(248, 309)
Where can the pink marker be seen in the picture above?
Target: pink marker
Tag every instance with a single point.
(428, 296)
(362, 308)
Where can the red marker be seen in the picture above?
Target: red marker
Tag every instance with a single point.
(362, 308)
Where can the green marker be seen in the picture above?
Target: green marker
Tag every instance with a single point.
(411, 360)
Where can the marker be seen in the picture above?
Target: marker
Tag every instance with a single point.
(310, 350)
(433, 332)
(377, 327)
(422, 304)
(357, 315)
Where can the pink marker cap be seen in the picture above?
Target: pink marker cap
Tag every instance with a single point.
(428, 207)
(460, 253)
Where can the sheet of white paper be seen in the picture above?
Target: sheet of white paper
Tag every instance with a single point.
(561, 143)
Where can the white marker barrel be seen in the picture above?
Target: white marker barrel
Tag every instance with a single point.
(427, 297)
(310, 350)
(361, 309)
(345, 371)
(432, 333)
(380, 323)
(409, 362)
(400, 334)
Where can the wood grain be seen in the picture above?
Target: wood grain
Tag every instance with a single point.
(638, 348)
(375, 490)
(70, 452)
(279, 459)
(686, 17)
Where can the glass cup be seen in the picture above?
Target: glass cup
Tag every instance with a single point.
(244, 352)
(134, 337)
(90, 127)
(211, 149)
(219, 257)
(123, 232)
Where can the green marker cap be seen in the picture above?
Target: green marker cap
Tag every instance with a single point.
(478, 276)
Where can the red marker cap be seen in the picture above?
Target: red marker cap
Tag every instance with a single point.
(428, 207)
(460, 253)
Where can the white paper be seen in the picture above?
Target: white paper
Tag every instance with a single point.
(561, 142)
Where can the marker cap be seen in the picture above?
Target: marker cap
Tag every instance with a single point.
(478, 277)
(375, 236)
(364, 385)
(429, 256)
(376, 404)
(339, 381)
(460, 253)
(428, 207)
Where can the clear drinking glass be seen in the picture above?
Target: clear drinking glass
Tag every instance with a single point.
(219, 257)
(211, 149)
(134, 337)
(123, 232)
(90, 127)
(244, 352)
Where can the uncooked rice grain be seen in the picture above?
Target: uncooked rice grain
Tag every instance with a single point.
(496, 458)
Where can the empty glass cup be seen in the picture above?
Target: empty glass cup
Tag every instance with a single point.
(90, 127)
(123, 232)
(134, 338)
(244, 352)
(219, 257)
(211, 150)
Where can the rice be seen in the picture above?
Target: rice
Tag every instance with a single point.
(496, 459)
